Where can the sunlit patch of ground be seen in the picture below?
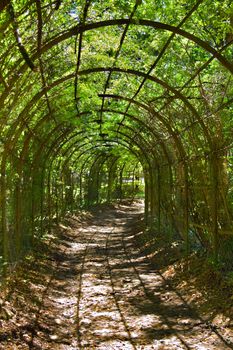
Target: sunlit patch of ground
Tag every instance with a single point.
(95, 288)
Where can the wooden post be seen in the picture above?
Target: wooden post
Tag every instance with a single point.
(4, 221)
(186, 207)
(146, 200)
(215, 198)
(18, 238)
(159, 198)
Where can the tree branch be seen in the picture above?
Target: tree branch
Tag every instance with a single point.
(20, 45)
(58, 4)
(3, 4)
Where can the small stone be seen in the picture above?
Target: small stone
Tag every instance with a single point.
(53, 337)
(26, 337)
(58, 321)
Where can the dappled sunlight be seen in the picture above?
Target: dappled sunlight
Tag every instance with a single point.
(102, 292)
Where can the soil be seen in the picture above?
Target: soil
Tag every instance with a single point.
(96, 283)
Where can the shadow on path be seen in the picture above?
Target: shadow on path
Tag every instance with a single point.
(93, 289)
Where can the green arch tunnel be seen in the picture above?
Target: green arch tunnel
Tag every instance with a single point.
(102, 101)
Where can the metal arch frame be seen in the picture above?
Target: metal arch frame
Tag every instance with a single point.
(82, 145)
(20, 127)
(44, 119)
(126, 71)
(152, 112)
(130, 71)
(147, 128)
(135, 119)
(157, 25)
(141, 161)
(123, 21)
(76, 141)
(172, 36)
(81, 29)
(61, 145)
(144, 166)
(138, 120)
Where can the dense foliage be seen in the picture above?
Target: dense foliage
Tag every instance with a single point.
(94, 93)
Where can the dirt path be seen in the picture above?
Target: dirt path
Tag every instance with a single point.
(96, 291)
